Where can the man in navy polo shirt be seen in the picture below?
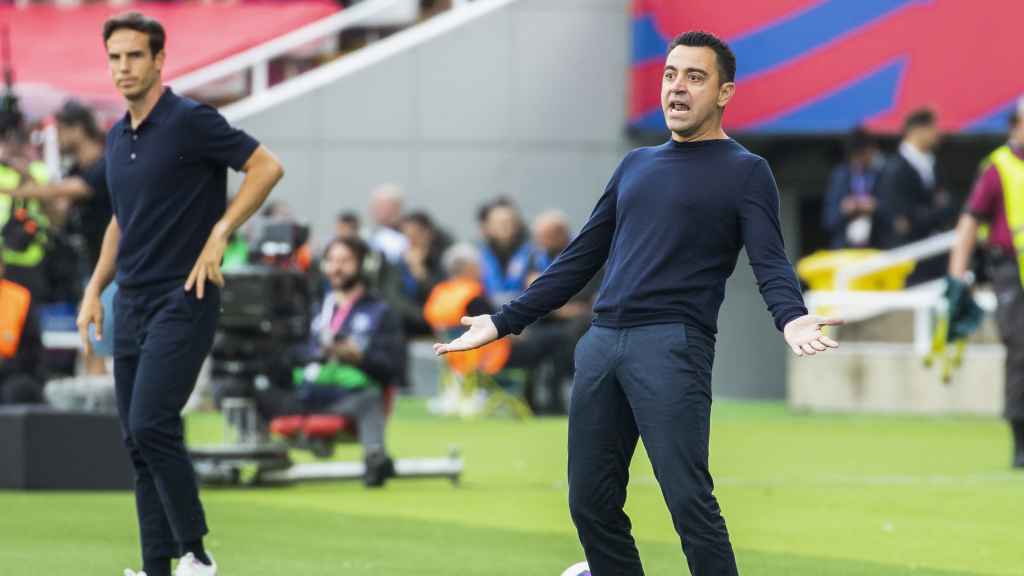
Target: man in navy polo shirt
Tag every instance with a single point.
(670, 226)
(166, 169)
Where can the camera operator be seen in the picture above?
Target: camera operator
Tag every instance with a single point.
(356, 349)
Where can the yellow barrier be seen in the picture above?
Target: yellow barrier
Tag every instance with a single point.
(819, 270)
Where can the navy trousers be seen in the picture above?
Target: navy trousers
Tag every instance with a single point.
(650, 382)
(161, 337)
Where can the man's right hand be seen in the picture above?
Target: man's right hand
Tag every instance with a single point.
(91, 312)
(481, 332)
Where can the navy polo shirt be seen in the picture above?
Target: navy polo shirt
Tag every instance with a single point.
(168, 186)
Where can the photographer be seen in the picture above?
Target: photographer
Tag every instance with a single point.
(356, 349)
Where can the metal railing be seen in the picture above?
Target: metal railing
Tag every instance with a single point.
(256, 60)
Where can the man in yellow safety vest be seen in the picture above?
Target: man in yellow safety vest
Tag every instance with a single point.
(998, 200)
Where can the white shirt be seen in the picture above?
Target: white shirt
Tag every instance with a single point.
(389, 242)
(923, 162)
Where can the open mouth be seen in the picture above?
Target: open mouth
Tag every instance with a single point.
(678, 107)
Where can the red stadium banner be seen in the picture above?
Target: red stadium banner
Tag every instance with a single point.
(58, 52)
(824, 66)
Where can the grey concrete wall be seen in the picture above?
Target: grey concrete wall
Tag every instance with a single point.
(530, 102)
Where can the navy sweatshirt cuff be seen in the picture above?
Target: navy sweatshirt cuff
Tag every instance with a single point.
(789, 316)
(501, 323)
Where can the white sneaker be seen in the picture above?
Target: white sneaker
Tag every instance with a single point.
(133, 573)
(189, 566)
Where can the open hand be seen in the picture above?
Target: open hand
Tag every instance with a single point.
(804, 334)
(481, 332)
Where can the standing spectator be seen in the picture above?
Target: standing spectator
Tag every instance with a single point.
(998, 199)
(506, 251)
(850, 201)
(386, 211)
(24, 225)
(82, 142)
(912, 202)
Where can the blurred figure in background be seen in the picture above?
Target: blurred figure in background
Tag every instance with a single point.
(81, 144)
(386, 212)
(357, 348)
(21, 348)
(850, 201)
(505, 253)
(24, 226)
(998, 200)
(912, 203)
(409, 282)
(463, 294)
(348, 225)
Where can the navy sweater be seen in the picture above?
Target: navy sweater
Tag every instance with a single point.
(670, 226)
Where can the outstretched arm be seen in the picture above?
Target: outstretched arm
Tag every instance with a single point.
(762, 236)
(566, 276)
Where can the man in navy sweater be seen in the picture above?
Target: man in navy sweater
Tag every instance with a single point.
(670, 226)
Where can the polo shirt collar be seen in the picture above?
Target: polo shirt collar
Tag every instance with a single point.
(156, 115)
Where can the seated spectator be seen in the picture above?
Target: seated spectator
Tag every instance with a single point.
(410, 281)
(912, 203)
(463, 295)
(386, 211)
(850, 202)
(505, 253)
(357, 349)
(21, 349)
(348, 225)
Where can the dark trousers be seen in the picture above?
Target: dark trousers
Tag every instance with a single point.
(652, 382)
(1010, 320)
(161, 337)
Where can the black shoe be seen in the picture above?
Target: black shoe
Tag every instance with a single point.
(379, 467)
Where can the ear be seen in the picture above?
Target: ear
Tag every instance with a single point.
(725, 93)
(159, 59)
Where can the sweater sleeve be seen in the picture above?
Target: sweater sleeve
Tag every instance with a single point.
(762, 236)
(571, 271)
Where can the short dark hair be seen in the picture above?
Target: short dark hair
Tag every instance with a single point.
(499, 202)
(919, 118)
(859, 140)
(140, 23)
(420, 218)
(355, 244)
(1014, 117)
(723, 54)
(74, 113)
(349, 217)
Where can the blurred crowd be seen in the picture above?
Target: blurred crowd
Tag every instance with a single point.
(52, 230)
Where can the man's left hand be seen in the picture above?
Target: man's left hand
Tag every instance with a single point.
(804, 334)
(207, 267)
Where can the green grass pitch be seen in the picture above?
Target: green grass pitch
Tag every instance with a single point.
(802, 495)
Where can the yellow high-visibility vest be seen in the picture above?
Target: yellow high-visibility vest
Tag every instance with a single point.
(1011, 176)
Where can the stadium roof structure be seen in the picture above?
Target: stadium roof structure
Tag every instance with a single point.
(57, 52)
(825, 66)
